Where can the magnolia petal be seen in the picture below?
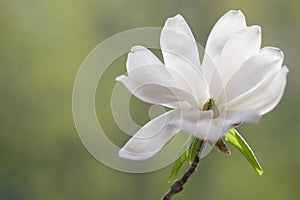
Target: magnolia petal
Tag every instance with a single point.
(234, 118)
(157, 93)
(253, 72)
(177, 41)
(156, 133)
(217, 128)
(152, 74)
(201, 124)
(150, 138)
(265, 96)
(181, 55)
(229, 23)
(140, 56)
(240, 46)
(149, 79)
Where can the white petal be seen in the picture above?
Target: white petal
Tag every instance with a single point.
(201, 124)
(177, 41)
(140, 56)
(241, 116)
(150, 138)
(149, 80)
(154, 84)
(254, 71)
(214, 129)
(240, 46)
(265, 96)
(156, 133)
(181, 55)
(229, 23)
(218, 127)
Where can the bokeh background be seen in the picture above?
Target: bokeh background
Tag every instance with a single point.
(43, 43)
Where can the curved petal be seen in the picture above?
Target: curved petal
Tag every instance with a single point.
(143, 62)
(150, 138)
(228, 24)
(150, 81)
(156, 133)
(154, 84)
(201, 124)
(265, 96)
(217, 128)
(158, 94)
(140, 56)
(240, 46)
(253, 72)
(234, 118)
(181, 55)
(177, 42)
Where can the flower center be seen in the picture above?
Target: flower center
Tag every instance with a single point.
(211, 105)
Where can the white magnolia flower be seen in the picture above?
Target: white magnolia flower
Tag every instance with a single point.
(238, 81)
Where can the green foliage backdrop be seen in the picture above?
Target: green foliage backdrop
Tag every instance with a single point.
(42, 44)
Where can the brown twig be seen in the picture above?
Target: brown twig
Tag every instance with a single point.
(177, 186)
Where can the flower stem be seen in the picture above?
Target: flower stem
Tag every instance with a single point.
(177, 186)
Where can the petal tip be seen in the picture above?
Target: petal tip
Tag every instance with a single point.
(119, 78)
(127, 155)
(256, 29)
(285, 69)
(121, 153)
(136, 48)
(178, 16)
(236, 13)
(279, 52)
(174, 21)
(274, 51)
(134, 156)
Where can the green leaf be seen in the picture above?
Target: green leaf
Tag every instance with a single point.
(193, 149)
(183, 154)
(234, 138)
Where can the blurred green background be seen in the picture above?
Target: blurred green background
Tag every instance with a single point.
(42, 45)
